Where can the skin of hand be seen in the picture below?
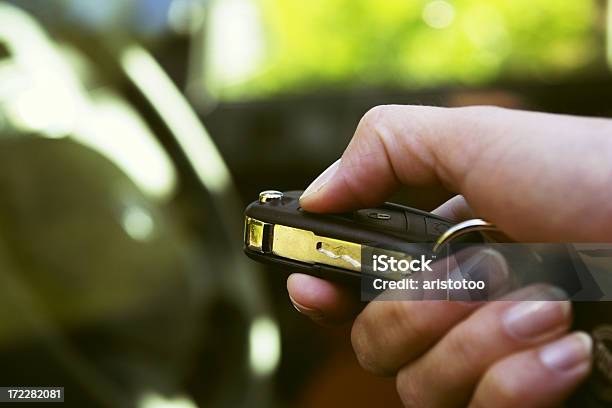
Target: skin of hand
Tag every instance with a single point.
(540, 178)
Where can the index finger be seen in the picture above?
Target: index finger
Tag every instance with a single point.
(534, 175)
(391, 146)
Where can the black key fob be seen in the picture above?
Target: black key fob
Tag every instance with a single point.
(332, 246)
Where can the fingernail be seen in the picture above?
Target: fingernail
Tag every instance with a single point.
(488, 266)
(310, 312)
(567, 353)
(531, 319)
(321, 180)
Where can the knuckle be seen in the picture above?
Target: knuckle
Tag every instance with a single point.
(374, 116)
(464, 344)
(373, 124)
(379, 334)
(379, 121)
(364, 344)
(408, 389)
(500, 386)
(397, 128)
(404, 324)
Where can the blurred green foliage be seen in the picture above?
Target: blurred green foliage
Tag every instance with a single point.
(318, 44)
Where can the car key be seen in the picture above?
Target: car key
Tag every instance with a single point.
(342, 247)
(331, 246)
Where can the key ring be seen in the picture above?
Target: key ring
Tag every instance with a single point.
(465, 227)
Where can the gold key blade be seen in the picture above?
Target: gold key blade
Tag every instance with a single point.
(306, 246)
(301, 245)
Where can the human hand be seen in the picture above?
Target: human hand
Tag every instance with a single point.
(538, 177)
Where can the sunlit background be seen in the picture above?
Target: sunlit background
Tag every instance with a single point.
(133, 133)
(261, 48)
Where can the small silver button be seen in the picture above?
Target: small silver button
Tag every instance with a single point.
(379, 216)
(270, 195)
